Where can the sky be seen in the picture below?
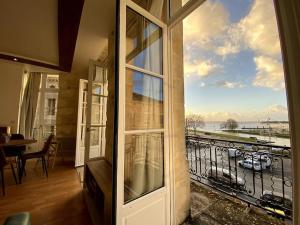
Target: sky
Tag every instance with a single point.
(232, 62)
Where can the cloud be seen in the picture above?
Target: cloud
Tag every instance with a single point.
(205, 23)
(269, 73)
(274, 112)
(201, 68)
(228, 84)
(208, 29)
(277, 109)
(260, 30)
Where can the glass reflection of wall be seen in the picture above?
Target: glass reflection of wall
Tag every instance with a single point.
(144, 149)
(156, 7)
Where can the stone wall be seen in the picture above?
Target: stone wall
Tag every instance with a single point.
(66, 121)
(180, 164)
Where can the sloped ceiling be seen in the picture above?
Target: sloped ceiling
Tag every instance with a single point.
(96, 25)
(29, 29)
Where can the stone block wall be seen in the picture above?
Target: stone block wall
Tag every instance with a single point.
(67, 107)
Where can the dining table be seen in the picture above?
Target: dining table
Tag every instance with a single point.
(19, 142)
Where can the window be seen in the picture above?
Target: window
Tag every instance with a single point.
(144, 107)
(51, 106)
(45, 120)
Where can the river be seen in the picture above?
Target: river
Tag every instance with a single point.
(215, 127)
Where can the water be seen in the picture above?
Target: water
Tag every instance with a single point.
(215, 127)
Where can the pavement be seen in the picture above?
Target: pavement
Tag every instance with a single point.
(209, 207)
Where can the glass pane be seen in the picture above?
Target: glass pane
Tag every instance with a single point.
(82, 136)
(52, 81)
(144, 164)
(176, 5)
(83, 116)
(156, 7)
(143, 43)
(144, 101)
(94, 136)
(96, 114)
(100, 75)
(96, 90)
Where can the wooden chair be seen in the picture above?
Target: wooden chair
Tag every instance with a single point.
(3, 163)
(37, 155)
(15, 151)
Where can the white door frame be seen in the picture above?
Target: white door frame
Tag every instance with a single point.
(92, 65)
(78, 160)
(130, 209)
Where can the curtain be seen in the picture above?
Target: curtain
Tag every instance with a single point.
(29, 105)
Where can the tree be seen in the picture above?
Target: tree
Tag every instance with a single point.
(194, 121)
(230, 124)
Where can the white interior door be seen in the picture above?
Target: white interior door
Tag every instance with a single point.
(96, 112)
(143, 195)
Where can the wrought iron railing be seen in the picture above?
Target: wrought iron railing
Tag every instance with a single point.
(259, 174)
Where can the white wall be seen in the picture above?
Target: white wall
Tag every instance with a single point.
(10, 87)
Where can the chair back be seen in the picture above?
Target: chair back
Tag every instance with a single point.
(47, 144)
(3, 161)
(7, 149)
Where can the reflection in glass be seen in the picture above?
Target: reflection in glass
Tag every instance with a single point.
(82, 135)
(94, 136)
(96, 90)
(156, 7)
(176, 5)
(143, 43)
(144, 164)
(96, 114)
(144, 101)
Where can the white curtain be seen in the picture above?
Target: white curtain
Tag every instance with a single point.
(29, 105)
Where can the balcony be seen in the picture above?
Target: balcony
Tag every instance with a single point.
(249, 175)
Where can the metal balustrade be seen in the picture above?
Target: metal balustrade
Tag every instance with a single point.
(258, 174)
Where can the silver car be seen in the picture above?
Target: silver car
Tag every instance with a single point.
(251, 164)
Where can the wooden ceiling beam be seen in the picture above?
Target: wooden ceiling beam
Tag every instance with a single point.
(69, 15)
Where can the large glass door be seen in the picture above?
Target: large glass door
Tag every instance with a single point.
(142, 165)
(96, 112)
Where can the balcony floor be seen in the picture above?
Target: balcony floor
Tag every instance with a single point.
(213, 208)
(57, 200)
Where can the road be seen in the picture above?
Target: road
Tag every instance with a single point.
(269, 179)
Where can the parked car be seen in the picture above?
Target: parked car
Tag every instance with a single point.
(249, 164)
(233, 152)
(274, 202)
(223, 176)
(264, 158)
(260, 157)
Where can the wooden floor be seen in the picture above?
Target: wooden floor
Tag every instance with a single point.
(56, 200)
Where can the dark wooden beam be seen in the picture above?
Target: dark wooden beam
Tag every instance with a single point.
(69, 15)
(28, 61)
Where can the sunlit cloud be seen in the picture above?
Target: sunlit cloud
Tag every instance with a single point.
(200, 68)
(269, 73)
(201, 29)
(228, 84)
(274, 112)
(260, 30)
(256, 32)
